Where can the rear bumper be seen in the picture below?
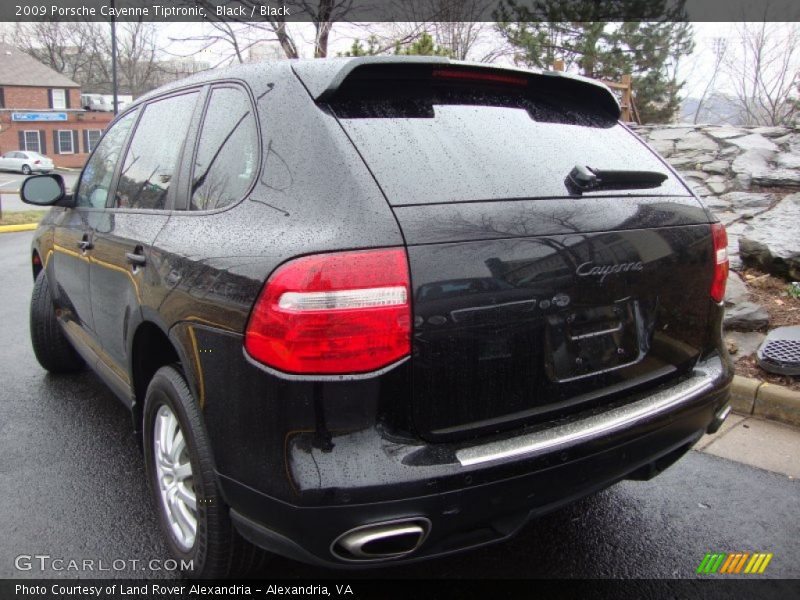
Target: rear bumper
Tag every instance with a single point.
(473, 495)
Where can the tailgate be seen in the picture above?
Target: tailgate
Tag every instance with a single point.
(518, 329)
(530, 298)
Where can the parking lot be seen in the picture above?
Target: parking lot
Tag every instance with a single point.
(11, 182)
(74, 488)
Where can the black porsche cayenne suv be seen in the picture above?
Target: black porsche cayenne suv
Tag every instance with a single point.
(382, 309)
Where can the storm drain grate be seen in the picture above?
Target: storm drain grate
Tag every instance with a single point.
(787, 351)
(780, 352)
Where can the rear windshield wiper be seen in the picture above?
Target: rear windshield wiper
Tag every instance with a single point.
(586, 179)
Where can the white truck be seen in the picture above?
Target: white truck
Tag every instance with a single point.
(104, 102)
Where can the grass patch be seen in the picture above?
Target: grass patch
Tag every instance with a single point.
(22, 217)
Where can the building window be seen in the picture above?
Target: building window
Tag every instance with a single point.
(2, 99)
(64, 139)
(92, 137)
(32, 142)
(59, 98)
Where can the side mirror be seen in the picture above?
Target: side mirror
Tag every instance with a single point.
(42, 190)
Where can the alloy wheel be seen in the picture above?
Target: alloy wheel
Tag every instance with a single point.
(175, 478)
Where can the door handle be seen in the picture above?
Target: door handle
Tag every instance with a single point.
(136, 259)
(86, 243)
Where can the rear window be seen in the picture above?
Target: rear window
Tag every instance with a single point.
(429, 144)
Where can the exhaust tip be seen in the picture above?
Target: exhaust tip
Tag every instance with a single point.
(381, 541)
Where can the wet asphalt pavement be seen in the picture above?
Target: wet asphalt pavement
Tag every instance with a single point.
(73, 486)
(11, 181)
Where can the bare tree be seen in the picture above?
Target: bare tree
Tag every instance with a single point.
(82, 52)
(719, 46)
(233, 40)
(456, 25)
(69, 48)
(237, 36)
(136, 56)
(6, 34)
(763, 72)
(458, 36)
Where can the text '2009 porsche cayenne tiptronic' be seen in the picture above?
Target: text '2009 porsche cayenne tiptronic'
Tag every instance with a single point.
(377, 310)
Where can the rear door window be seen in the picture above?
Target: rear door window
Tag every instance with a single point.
(152, 158)
(435, 145)
(227, 152)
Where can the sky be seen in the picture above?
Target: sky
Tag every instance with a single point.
(695, 70)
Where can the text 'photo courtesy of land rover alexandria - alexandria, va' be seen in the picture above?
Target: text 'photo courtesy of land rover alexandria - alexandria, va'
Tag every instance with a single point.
(375, 310)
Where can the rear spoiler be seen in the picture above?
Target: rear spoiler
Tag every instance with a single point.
(323, 78)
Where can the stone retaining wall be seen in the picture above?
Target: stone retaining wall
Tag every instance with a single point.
(750, 177)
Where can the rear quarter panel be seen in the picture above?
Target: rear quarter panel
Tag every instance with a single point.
(313, 194)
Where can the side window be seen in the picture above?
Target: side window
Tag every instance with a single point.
(153, 153)
(227, 152)
(99, 171)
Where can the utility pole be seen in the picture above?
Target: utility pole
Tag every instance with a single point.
(114, 58)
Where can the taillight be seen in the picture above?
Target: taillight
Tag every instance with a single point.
(37, 162)
(480, 76)
(345, 312)
(721, 263)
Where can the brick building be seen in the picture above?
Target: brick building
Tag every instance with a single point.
(40, 110)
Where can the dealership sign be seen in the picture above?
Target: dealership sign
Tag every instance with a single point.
(39, 116)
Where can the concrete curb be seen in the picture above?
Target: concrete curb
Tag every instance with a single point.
(766, 400)
(15, 228)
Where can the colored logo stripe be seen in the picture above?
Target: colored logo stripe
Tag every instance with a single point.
(758, 563)
(711, 562)
(721, 562)
(735, 562)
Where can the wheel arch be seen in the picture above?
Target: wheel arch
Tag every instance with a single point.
(152, 348)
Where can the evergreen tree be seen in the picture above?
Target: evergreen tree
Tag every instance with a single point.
(424, 45)
(358, 49)
(588, 39)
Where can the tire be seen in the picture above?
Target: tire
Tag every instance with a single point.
(50, 345)
(216, 549)
(26, 170)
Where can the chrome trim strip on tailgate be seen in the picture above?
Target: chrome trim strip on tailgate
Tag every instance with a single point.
(570, 434)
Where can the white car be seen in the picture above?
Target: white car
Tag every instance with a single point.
(25, 162)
